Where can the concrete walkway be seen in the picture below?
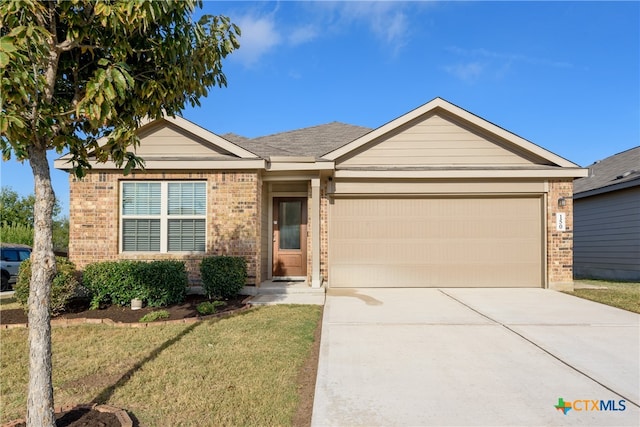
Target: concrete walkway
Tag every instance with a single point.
(271, 293)
(475, 357)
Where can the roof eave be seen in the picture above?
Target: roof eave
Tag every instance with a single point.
(607, 189)
(464, 173)
(173, 164)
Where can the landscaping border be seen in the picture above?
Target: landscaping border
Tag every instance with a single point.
(84, 320)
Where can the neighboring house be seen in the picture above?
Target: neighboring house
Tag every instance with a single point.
(438, 197)
(607, 219)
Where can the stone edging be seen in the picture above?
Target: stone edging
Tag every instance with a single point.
(84, 320)
(121, 414)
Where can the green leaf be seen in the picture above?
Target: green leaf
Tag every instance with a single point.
(119, 82)
(4, 59)
(108, 90)
(6, 44)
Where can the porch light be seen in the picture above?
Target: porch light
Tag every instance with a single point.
(562, 202)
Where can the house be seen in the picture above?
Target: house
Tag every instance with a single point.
(438, 197)
(607, 219)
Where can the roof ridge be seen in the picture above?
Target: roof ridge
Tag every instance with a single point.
(307, 128)
(614, 155)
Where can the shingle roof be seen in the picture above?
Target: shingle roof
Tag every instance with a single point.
(610, 173)
(312, 141)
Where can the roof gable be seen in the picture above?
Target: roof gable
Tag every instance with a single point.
(441, 134)
(178, 137)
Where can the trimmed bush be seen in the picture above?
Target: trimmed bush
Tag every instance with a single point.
(154, 315)
(223, 276)
(63, 288)
(209, 307)
(157, 283)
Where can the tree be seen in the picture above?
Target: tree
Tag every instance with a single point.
(80, 76)
(18, 210)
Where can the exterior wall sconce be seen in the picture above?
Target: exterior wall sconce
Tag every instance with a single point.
(562, 202)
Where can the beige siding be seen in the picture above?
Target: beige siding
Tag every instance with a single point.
(438, 141)
(436, 242)
(166, 140)
(290, 187)
(408, 186)
(607, 235)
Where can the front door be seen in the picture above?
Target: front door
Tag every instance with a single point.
(289, 236)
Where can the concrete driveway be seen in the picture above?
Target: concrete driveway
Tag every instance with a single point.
(471, 357)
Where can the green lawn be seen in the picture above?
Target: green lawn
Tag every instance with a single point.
(624, 295)
(240, 370)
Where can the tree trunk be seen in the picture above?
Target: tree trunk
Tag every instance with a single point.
(43, 268)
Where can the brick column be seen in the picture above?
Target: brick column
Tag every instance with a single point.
(560, 243)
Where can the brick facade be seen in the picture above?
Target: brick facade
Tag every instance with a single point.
(234, 222)
(324, 232)
(233, 218)
(560, 243)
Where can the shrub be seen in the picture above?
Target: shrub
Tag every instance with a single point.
(154, 315)
(16, 233)
(157, 283)
(63, 288)
(166, 282)
(209, 307)
(223, 276)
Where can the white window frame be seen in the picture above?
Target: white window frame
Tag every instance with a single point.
(164, 217)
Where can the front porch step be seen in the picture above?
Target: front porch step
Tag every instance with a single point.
(295, 298)
(284, 288)
(278, 292)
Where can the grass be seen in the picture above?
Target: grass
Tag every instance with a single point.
(624, 295)
(240, 370)
(9, 303)
(155, 315)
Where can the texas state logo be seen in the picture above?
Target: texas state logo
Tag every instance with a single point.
(590, 405)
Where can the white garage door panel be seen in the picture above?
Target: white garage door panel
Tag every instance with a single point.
(492, 242)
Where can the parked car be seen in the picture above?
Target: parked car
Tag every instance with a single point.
(11, 256)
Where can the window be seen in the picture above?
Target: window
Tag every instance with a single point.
(163, 216)
(290, 216)
(10, 255)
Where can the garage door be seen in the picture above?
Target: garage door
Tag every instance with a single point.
(436, 242)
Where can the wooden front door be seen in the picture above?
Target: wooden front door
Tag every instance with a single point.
(289, 236)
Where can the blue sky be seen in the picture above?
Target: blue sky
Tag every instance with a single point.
(564, 75)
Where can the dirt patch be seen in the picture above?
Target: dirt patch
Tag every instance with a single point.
(80, 309)
(307, 382)
(87, 415)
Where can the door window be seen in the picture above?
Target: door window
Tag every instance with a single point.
(290, 216)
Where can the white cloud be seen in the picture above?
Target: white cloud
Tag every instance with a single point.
(259, 36)
(469, 72)
(386, 20)
(498, 64)
(303, 35)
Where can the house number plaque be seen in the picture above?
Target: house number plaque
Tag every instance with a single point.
(561, 224)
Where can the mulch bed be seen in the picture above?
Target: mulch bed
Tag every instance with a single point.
(80, 309)
(82, 417)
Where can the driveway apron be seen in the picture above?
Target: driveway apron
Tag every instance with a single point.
(475, 357)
